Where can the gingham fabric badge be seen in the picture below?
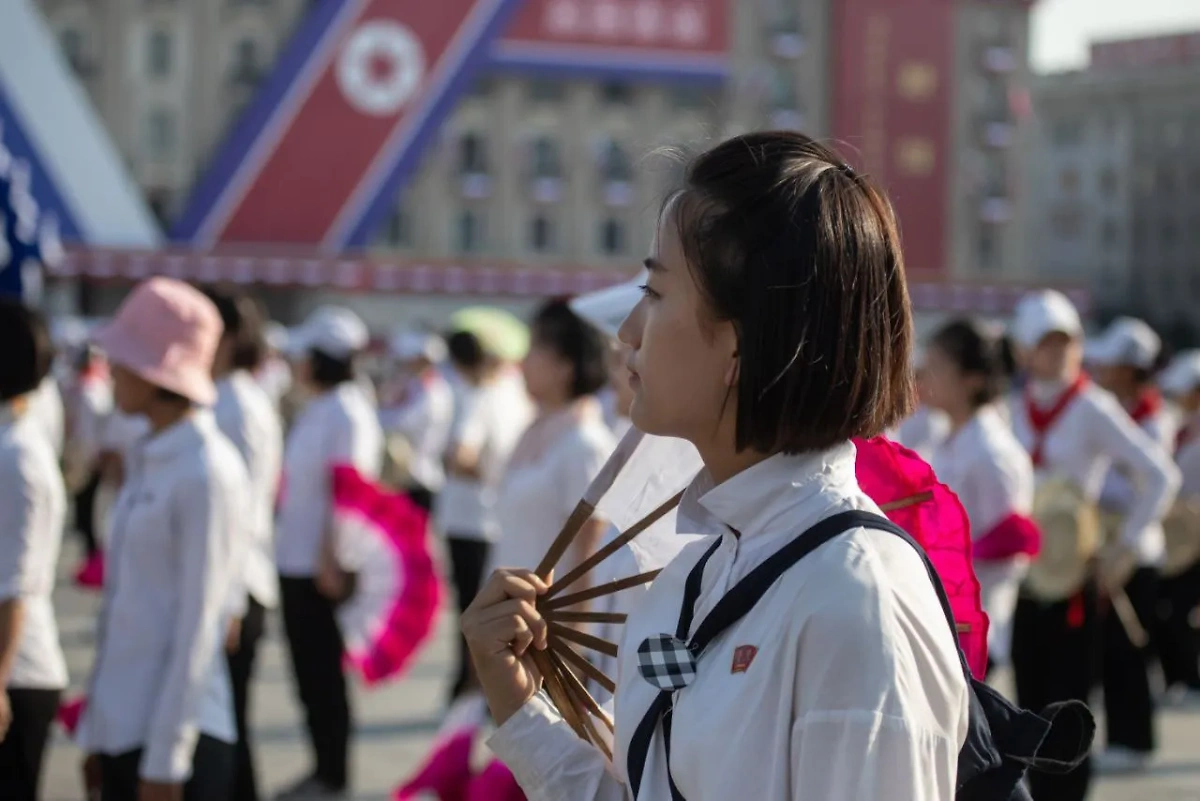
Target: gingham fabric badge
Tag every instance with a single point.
(666, 662)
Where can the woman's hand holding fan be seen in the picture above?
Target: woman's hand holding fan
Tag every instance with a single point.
(503, 629)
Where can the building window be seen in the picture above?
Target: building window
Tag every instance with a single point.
(1068, 180)
(470, 232)
(989, 248)
(247, 67)
(616, 93)
(612, 237)
(1066, 133)
(1169, 234)
(546, 162)
(546, 90)
(541, 234)
(160, 133)
(1108, 181)
(158, 54)
(70, 41)
(1110, 233)
(615, 164)
(399, 229)
(473, 154)
(1067, 223)
(689, 96)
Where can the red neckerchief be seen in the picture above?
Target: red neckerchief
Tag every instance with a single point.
(1042, 420)
(1149, 403)
(1186, 434)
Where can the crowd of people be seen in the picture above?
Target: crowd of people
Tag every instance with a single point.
(189, 442)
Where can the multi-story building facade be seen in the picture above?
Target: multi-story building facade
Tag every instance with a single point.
(545, 167)
(1115, 177)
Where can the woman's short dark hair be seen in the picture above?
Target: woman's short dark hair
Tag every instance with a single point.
(329, 371)
(28, 351)
(574, 339)
(802, 255)
(465, 349)
(243, 319)
(168, 396)
(976, 351)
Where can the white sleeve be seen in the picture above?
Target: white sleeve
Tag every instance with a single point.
(1001, 485)
(206, 551)
(18, 500)
(549, 760)
(1131, 448)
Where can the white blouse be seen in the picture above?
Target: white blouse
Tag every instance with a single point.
(489, 421)
(988, 470)
(33, 506)
(539, 491)
(1089, 436)
(424, 419)
(1188, 458)
(856, 691)
(247, 416)
(337, 427)
(160, 678)
(1120, 492)
(923, 431)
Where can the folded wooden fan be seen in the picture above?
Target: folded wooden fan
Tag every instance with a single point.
(641, 483)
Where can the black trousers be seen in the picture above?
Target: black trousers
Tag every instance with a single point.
(24, 747)
(468, 560)
(85, 521)
(241, 672)
(212, 773)
(316, 646)
(1178, 641)
(421, 496)
(1055, 657)
(1128, 703)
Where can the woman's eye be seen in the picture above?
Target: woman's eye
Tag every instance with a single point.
(648, 292)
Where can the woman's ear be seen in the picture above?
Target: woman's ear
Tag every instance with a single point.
(732, 371)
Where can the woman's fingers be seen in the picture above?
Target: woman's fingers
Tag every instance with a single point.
(505, 584)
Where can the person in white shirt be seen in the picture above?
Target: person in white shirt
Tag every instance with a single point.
(966, 371)
(845, 681)
(246, 415)
(1178, 641)
(423, 413)
(927, 427)
(46, 407)
(1077, 431)
(338, 426)
(489, 418)
(159, 723)
(89, 404)
(564, 447)
(1123, 360)
(33, 672)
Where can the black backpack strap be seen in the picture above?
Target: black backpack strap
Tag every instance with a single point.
(729, 610)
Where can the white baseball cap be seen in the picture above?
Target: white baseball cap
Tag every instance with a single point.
(409, 345)
(1042, 313)
(607, 308)
(1127, 341)
(1182, 374)
(333, 330)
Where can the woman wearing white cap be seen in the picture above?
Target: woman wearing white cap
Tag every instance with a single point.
(423, 412)
(1178, 641)
(1077, 432)
(247, 415)
(159, 719)
(1123, 361)
(965, 373)
(338, 425)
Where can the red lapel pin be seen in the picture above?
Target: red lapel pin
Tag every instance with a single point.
(743, 655)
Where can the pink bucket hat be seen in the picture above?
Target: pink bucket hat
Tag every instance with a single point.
(167, 333)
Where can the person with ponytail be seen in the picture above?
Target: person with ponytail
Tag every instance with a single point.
(1075, 433)
(966, 373)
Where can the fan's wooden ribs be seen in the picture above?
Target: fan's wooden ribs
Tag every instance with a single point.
(594, 673)
(588, 641)
(565, 616)
(597, 592)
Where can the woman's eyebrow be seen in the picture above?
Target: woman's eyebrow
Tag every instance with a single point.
(654, 265)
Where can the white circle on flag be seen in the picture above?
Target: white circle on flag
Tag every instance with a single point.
(380, 67)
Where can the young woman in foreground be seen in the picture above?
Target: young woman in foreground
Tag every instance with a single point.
(775, 327)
